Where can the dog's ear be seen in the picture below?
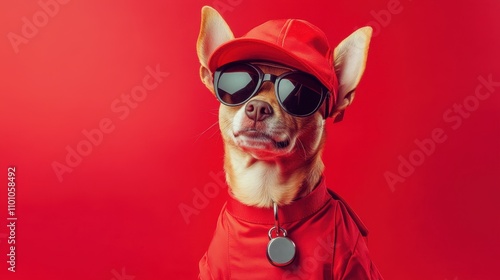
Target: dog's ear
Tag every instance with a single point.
(349, 60)
(214, 31)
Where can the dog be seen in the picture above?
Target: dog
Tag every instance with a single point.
(278, 85)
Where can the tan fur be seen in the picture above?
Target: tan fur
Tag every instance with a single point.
(257, 175)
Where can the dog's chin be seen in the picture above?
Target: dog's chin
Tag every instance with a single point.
(263, 146)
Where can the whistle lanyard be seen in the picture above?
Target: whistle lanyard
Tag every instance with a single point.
(280, 249)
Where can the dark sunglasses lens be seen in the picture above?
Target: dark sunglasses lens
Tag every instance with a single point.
(236, 84)
(300, 94)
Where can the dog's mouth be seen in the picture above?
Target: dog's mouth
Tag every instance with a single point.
(252, 139)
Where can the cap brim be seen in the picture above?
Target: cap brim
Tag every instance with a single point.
(247, 49)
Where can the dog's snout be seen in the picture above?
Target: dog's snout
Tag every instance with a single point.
(258, 110)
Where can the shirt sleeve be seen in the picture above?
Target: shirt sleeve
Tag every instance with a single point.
(351, 257)
(359, 266)
(204, 269)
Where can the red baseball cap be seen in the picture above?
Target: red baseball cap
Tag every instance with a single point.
(291, 42)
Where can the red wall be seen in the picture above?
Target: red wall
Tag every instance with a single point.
(425, 116)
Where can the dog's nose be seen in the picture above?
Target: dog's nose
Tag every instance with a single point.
(258, 110)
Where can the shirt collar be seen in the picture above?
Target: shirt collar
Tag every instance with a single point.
(297, 210)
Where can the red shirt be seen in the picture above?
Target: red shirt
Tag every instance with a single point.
(328, 235)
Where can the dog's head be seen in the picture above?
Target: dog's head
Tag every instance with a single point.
(265, 124)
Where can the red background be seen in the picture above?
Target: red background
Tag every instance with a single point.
(116, 215)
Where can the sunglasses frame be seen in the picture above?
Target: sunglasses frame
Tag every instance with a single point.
(275, 79)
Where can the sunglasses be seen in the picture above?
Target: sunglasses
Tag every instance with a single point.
(298, 93)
